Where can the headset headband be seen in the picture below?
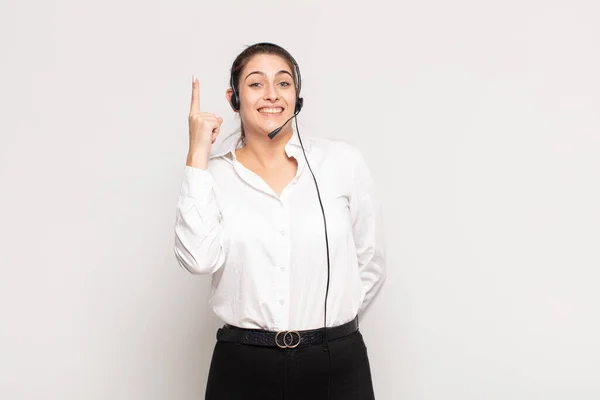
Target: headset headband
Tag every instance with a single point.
(235, 98)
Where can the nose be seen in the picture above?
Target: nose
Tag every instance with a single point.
(271, 93)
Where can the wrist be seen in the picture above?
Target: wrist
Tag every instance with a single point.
(197, 159)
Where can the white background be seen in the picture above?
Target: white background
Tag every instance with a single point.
(479, 120)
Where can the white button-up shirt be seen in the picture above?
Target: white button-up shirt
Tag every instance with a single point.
(267, 253)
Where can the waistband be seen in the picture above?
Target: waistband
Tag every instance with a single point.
(284, 339)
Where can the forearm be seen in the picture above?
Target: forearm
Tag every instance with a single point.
(199, 241)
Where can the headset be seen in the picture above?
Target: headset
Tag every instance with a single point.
(235, 104)
(235, 97)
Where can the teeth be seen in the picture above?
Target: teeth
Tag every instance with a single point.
(271, 110)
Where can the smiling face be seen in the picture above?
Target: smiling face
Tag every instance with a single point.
(267, 93)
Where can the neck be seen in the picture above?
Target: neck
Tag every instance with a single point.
(267, 152)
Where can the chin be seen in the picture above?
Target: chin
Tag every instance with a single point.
(273, 123)
(268, 128)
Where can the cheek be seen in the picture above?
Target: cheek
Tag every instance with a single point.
(290, 97)
(248, 105)
(249, 98)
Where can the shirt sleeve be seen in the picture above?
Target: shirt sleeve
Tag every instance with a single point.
(200, 246)
(367, 226)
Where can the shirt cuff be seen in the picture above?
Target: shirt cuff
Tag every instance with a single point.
(197, 183)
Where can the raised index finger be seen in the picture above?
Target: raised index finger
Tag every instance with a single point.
(195, 106)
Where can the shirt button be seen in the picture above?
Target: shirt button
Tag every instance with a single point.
(282, 269)
(282, 232)
(281, 302)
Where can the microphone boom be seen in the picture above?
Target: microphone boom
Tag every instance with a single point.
(276, 131)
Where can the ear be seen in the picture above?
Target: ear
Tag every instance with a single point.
(228, 94)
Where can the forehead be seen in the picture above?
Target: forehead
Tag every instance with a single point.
(267, 63)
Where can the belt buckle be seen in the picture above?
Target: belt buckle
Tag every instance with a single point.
(287, 341)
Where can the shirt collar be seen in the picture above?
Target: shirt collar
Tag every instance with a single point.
(233, 142)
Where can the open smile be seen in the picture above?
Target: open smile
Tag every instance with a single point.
(270, 111)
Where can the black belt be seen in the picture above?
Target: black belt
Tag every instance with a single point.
(284, 339)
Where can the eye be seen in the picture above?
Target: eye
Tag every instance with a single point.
(255, 84)
(285, 84)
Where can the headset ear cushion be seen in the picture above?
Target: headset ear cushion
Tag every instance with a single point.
(299, 103)
(235, 103)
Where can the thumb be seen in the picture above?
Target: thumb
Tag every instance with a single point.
(217, 130)
(214, 135)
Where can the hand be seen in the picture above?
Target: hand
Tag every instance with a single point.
(204, 127)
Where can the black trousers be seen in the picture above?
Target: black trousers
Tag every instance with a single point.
(245, 372)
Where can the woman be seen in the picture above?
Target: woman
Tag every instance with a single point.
(291, 232)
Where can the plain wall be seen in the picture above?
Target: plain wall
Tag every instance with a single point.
(479, 120)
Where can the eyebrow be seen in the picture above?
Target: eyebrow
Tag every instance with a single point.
(283, 71)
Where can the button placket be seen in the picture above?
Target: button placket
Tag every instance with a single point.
(281, 276)
(277, 278)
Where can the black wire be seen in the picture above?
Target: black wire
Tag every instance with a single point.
(326, 347)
